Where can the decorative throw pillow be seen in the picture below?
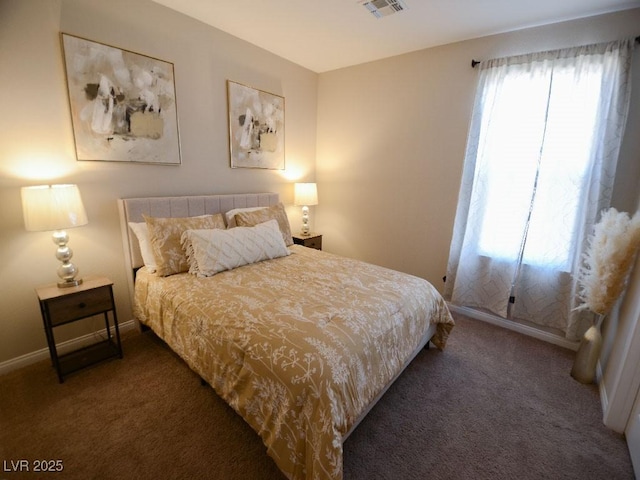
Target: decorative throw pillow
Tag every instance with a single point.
(276, 212)
(142, 234)
(230, 215)
(165, 233)
(213, 251)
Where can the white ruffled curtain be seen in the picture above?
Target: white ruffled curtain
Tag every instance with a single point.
(540, 164)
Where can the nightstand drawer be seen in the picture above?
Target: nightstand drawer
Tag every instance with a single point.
(79, 305)
(315, 242)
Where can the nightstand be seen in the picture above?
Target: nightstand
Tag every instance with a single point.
(61, 306)
(313, 240)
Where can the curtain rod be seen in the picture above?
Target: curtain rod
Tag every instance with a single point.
(475, 63)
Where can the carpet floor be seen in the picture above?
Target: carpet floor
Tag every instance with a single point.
(493, 405)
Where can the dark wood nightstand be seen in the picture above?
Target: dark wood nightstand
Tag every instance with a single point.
(60, 306)
(313, 240)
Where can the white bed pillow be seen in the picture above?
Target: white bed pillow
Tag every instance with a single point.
(231, 214)
(214, 251)
(142, 234)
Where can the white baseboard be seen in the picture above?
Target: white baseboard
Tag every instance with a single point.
(63, 347)
(518, 327)
(602, 389)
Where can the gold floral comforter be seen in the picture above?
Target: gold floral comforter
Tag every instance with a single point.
(298, 346)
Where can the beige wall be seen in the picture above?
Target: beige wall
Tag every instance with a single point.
(36, 139)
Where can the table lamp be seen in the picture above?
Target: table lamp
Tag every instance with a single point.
(305, 194)
(55, 207)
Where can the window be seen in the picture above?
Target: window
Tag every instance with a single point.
(534, 157)
(539, 167)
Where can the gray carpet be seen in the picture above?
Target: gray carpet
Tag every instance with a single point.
(494, 405)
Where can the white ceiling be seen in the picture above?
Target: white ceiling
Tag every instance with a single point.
(324, 35)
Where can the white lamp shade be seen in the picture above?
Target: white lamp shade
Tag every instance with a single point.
(52, 207)
(305, 194)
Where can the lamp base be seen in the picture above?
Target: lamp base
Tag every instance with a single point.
(70, 283)
(304, 231)
(67, 271)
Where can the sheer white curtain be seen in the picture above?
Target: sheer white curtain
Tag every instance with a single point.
(539, 167)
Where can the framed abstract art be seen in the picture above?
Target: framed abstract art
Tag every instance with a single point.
(123, 104)
(256, 128)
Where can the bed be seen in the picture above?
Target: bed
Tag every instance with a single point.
(301, 344)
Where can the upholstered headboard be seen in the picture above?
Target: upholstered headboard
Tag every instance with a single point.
(133, 209)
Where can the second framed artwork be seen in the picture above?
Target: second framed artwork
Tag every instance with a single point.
(256, 127)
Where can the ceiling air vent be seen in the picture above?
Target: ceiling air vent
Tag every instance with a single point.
(383, 8)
